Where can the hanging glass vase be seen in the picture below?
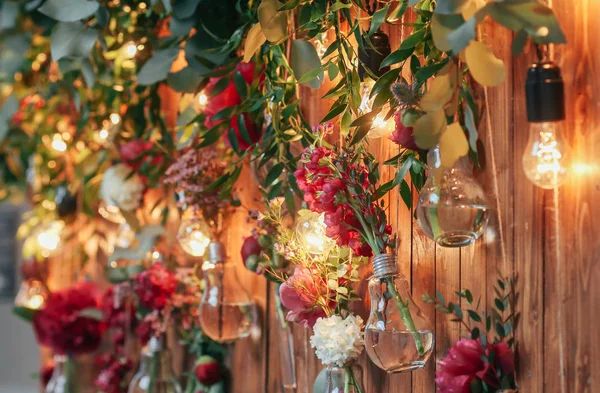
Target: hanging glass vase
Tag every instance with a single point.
(62, 377)
(286, 347)
(155, 374)
(452, 208)
(398, 336)
(226, 309)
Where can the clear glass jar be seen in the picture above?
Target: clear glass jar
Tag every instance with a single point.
(346, 379)
(398, 336)
(62, 376)
(155, 374)
(452, 208)
(226, 308)
(287, 366)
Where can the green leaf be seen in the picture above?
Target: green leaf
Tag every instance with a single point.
(272, 22)
(241, 123)
(24, 313)
(231, 135)
(378, 18)
(519, 42)
(414, 39)
(338, 5)
(158, 66)
(71, 39)
(68, 10)
(240, 84)
(89, 75)
(474, 316)
(499, 304)
(462, 36)
(92, 313)
(500, 330)
(441, 26)
(406, 194)
(451, 6)
(385, 81)
(475, 333)
(186, 80)
(397, 56)
(305, 60)
(428, 128)
(470, 124)
(335, 110)
(274, 174)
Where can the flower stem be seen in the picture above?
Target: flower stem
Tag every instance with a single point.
(350, 380)
(405, 315)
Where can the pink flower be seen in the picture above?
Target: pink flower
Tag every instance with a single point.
(403, 135)
(504, 358)
(459, 367)
(299, 294)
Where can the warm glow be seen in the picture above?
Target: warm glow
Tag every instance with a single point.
(202, 99)
(381, 127)
(48, 237)
(111, 213)
(366, 103)
(115, 118)
(103, 134)
(58, 143)
(32, 295)
(193, 235)
(581, 168)
(129, 50)
(545, 161)
(311, 234)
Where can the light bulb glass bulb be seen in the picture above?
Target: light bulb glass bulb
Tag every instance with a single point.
(381, 127)
(48, 237)
(115, 118)
(129, 50)
(546, 156)
(202, 99)
(366, 102)
(58, 143)
(32, 295)
(311, 233)
(193, 235)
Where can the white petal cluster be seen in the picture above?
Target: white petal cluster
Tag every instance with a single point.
(120, 188)
(336, 340)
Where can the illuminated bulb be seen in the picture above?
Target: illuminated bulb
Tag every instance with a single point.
(545, 160)
(103, 134)
(111, 212)
(311, 233)
(202, 99)
(366, 102)
(32, 295)
(546, 156)
(193, 235)
(58, 143)
(129, 50)
(48, 237)
(382, 127)
(115, 118)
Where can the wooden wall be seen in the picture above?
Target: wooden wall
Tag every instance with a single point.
(548, 240)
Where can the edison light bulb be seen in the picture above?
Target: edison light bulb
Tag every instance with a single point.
(545, 160)
(48, 237)
(226, 308)
(381, 127)
(311, 233)
(129, 50)
(115, 118)
(32, 295)
(58, 143)
(193, 235)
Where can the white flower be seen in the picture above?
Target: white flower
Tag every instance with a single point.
(120, 188)
(337, 340)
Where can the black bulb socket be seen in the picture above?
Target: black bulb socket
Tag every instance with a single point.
(545, 93)
(372, 57)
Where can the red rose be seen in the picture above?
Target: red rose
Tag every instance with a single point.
(115, 312)
(155, 286)
(504, 358)
(403, 135)
(208, 371)
(138, 151)
(60, 326)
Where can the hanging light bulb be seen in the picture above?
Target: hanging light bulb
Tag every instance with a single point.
(58, 143)
(202, 99)
(311, 233)
(193, 234)
(129, 50)
(32, 295)
(226, 308)
(115, 118)
(546, 156)
(371, 58)
(48, 237)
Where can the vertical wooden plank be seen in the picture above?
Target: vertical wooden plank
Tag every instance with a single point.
(572, 245)
(447, 281)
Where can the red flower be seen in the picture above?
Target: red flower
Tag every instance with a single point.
(60, 326)
(144, 331)
(138, 151)
(299, 294)
(155, 286)
(208, 370)
(115, 313)
(253, 132)
(230, 97)
(465, 362)
(403, 135)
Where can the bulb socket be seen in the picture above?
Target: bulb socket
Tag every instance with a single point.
(216, 252)
(384, 264)
(545, 93)
(372, 57)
